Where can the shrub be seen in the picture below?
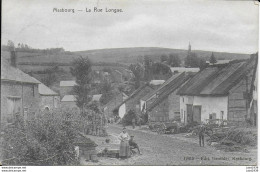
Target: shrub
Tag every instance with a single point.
(47, 140)
(129, 116)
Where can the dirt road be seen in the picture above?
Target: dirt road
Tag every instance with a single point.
(173, 150)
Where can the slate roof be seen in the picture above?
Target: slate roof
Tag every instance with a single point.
(67, 83)
(69, 98)
(10, 73)
(46, 91)
(217, 80)
(174, 83)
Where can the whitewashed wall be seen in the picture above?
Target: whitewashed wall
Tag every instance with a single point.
(122, 111)
(208, 105)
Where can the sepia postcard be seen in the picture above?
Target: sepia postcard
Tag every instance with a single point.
(129, 83)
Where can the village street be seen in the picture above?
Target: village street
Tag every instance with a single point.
(168, 150)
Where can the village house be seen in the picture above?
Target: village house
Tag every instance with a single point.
(69, 102)
(66, 88)
(116, 100)
(133, 101)
(49, 99)
(219, 94)
(19, 92)
(163, 104)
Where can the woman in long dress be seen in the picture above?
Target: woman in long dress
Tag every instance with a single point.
(124, 151)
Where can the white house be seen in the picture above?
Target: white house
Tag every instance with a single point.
(218, 94)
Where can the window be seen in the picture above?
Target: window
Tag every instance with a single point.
(212, 116)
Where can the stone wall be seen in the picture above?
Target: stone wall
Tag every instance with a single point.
(25, 96)
(237, 104)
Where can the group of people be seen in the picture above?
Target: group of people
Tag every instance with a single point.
(127, 145)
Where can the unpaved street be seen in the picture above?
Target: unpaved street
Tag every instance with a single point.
(171, 150)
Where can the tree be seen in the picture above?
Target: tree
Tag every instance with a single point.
(106, 90)
(138, 72)
(10, 45)
(174, 60)
(212, 59)
(81, 70)
(147, 67)
(164, 57)
(203, 64)
(192, 60)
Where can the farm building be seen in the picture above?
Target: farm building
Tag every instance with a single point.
(49, 99)
(133, 101)
(116, 100)
(163, 104)
(69, 102)
(219, 93)
(19, 92)
(66, 87)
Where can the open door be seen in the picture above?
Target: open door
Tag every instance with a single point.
(197, 113)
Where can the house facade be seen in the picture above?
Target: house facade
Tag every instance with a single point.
(112, 104)
(219, 94)
(66, 87)
(19, 93)
(49, 100)
(163, 104)
(133, 101)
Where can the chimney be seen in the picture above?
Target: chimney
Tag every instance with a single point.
(13, 58)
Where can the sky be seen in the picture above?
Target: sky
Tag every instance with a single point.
(213, 25)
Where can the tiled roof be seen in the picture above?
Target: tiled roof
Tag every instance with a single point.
(217, 80)
(67, 83)
(10, 73)
(44, 90)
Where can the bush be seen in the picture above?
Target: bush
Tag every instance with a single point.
(243, 136)
(47, 140)
(129, 116)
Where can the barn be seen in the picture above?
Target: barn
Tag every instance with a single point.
(19, 92)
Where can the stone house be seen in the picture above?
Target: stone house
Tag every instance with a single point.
(69, 102)
(49, 99)
(219, 94)
(19, 92)
(66, 88)
(133, 101)
(163, 104)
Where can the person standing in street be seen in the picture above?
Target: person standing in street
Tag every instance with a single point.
(201, 134)
(124, 151)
